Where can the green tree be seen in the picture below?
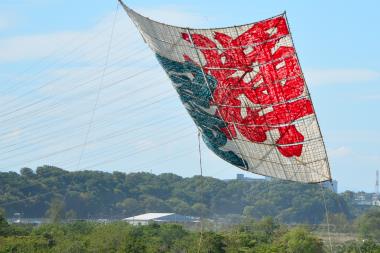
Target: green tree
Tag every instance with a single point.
(300, 240)
(27, 172)
(248, 211)
(129, 206)
(339, 222)
(96, 193)
(200, 209)
(71, 215)
(153, 204)
(56, 210)
(212, 242)
(179, 206)
(366, 246)
(368, 224)
(5, 228)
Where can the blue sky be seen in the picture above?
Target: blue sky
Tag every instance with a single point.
(49, 48)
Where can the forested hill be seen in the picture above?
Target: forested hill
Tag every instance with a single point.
(95, 194)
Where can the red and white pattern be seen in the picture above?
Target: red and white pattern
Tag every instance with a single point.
(260, 94)
(260, 85)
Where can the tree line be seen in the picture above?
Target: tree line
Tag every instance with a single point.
(264, 236)
(96, 194)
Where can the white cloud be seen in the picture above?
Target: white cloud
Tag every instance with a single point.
(57, 45)
(12, 135)
(31, 47)
(342, 151)
(372, 97)
(7, 20)
(340, 76)
(37, 46)
(44, 127)
(4, 23)
(355, 137)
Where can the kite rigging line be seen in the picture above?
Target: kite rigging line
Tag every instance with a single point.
(308, 92)
(60, 49)
(327, 218)
(99, 89)
(89, 167)
(201, 190)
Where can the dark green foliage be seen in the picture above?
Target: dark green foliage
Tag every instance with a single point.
(369, 224)
(56, 210)
(366, 246)
(340, 223)
(81, 237)
(94, 194)
(269, 236)
(15, 230)
(301, 241)
(264, 236)
(27, 172)
(5, 229)
(212, 242)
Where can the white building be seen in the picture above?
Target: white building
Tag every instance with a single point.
(376, 202)
(145, 219)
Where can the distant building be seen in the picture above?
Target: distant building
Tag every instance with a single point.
(333, 185)
(376, 202)
(366, 199)
(363, 199)
(145, 219)
(375, 199)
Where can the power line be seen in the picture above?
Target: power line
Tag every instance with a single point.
(129, 110)
(61, 48)
(44, 85)
(63, 133)
(97, 140)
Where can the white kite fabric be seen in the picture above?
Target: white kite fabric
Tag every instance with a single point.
(244, 88)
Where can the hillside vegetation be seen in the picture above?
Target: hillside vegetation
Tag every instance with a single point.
(264, 236)
(94, 194)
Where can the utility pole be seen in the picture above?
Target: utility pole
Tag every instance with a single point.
(377, 185)
(376, 196)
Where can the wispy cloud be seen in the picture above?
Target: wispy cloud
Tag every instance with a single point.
(340, 76)
(5, 21)
(342, 151)
(12, 134)
(37, 46)
(70, 92)
(355, 137)
(30, 47)
(55, 45)
(373, 97)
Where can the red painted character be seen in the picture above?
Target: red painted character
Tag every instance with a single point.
(260, 83)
